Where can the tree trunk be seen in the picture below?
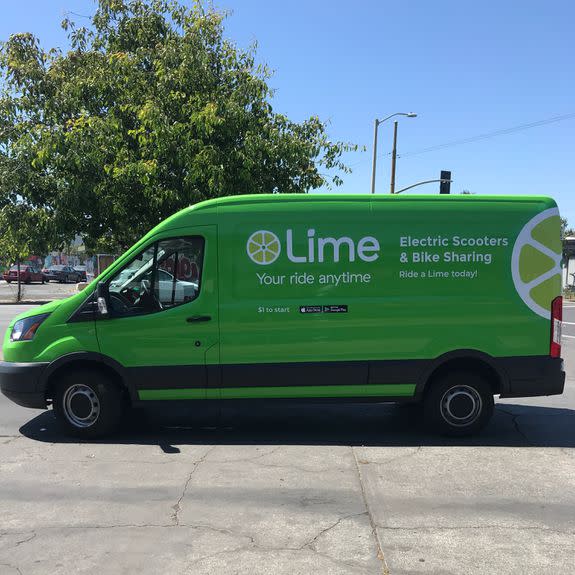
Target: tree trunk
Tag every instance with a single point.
(19, 293)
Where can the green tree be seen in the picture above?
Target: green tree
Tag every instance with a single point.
(565, 229)
(25, 232)
(151, 110)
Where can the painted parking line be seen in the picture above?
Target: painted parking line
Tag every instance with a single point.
(568, 336)
(568, 322)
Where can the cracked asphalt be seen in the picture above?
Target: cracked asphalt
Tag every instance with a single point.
(321, 489)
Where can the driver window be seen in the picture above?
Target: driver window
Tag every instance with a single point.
(177, 278)
(164, 275)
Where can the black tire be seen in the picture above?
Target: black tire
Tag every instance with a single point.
(458, 404)
(88, 404)
(8, 281)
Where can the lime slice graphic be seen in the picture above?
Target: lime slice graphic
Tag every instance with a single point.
(263, 247)
(536, 262)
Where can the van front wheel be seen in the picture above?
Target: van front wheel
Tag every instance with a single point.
(87, 404)
(458, 404)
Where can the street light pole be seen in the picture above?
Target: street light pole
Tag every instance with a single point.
(441, 181)
(375, 126)
(393, 158)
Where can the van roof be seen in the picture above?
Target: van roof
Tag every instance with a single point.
(253, 199)
(232, 203)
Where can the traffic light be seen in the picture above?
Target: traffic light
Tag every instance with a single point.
(445, 184)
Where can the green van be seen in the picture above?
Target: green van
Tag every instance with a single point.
(442, 300)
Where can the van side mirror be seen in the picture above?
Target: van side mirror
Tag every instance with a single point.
(103, 298)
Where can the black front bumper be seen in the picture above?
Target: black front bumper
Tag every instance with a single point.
(533, 376)
(22, 383)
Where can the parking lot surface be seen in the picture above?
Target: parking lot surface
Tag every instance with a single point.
(35, 292)
(324, 489)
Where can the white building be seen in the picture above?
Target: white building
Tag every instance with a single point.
(568, 261)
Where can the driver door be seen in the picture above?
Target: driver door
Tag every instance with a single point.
(163, 316)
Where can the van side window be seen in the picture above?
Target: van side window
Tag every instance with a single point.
(164, 275)
(178, 271)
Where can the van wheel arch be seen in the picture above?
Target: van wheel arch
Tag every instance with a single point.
(464, 361)
(77, 364)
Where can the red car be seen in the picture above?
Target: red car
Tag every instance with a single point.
(28, 274)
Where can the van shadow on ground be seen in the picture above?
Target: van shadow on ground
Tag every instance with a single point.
(368, 425)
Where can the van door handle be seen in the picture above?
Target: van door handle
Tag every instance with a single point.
(196, 318)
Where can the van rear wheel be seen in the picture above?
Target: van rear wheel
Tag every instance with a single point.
(459, 404)
(87, 404)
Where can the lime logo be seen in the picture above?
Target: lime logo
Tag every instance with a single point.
(263, 247)
(536, 262)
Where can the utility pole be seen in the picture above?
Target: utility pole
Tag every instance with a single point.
(376, 125)
(393, 158)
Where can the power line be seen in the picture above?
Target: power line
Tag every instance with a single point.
(489, 135)
(477, 138)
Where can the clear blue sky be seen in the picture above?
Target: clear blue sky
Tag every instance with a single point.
(467, 68)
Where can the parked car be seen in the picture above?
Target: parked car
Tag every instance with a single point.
(28, 274)
(62, 274)
(82, 271)
(167, 287)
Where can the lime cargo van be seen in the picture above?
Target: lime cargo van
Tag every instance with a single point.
(442, 300)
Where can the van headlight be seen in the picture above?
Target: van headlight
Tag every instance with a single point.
(25, 329)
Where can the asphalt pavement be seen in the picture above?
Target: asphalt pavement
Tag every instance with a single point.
(354, 489)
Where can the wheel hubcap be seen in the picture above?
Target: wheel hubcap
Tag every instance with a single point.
(461, 405)
(81, 405)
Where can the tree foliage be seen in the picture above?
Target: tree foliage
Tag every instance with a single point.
(151, 110)
(565, 229)
(25, 232)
